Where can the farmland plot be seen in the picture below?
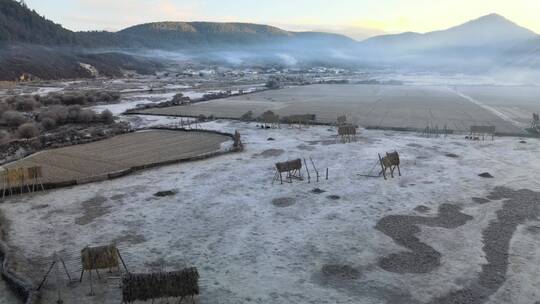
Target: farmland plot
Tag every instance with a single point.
(378, 106)
(93, 161)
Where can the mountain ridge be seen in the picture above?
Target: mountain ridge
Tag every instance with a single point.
(483, 30)
(478, 44)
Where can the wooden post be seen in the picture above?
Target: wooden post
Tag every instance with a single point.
(46, 275)
(58, 288)
(122, 260)
(314, 168)
(91, 284)
(383, 172)
(307, 170)
(65, 269)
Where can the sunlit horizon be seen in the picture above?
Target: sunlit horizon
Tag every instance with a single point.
(357, 19)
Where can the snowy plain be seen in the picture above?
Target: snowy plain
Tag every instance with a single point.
(226, 218)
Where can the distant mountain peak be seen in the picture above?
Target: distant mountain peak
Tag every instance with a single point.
(492, 16)
(493, 19)
(491, 30)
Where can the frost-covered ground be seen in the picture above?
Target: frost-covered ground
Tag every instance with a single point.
(254, 242)
(6, 296)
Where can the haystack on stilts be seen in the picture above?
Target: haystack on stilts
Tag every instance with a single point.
(34, 178)
(389, 163)
(238, 141)
(270, 120)
(478, 132)
(151, 286)
(347, 133)
(292, 168)
(16, 180)
(103, 257)
(300, 120)
(4, 181)
(341, 120)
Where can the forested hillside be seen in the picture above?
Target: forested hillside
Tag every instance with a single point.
(20, 24)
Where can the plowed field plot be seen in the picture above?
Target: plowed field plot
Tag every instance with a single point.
(383, 106)
(91, 161)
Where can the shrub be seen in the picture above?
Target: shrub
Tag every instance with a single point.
(57, 113)
(273, 83)
(48, 123)
(78, 98)
(107, 117)
(3, 107)
(86, 116)
(13, 119)
(107, 96)
(25, 104)
(247, 116)
(51, 99)
(74, 99)
(4, 137)
(27, 130)
(180, 99)
(73, 113)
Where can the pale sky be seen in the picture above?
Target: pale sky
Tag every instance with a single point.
(356, 18)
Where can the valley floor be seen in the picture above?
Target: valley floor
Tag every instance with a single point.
(437, 234)
(411, 107)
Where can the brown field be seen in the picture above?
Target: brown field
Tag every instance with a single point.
(379, 106)
(94, 161)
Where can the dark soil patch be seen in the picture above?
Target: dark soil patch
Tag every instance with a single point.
(270, 153)
(118, 197)
(305, 148)
(39, 207)
(317, 191)
(165, 193)
(452, 155)
(421, 258)
(130, 238)
(93, 208)
(283, 202)
(340, 271)
(518, 207)
(334, 197)
(480, 200)
(485, 175)
(422, 209)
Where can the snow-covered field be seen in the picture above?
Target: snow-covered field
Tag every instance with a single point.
(258, 242)
(6, 296)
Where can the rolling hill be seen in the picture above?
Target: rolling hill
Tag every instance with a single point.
(476, 45)
(19, 24)
(188, 35)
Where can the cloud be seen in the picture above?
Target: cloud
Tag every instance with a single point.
(119, 14)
